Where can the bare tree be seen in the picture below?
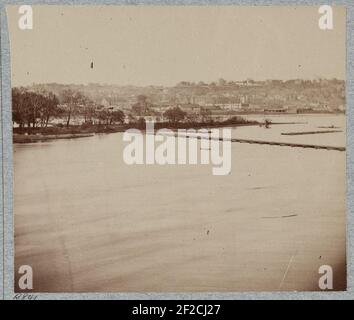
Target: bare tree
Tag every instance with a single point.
(72, 100)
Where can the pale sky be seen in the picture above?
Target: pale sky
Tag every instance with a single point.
(163, 45)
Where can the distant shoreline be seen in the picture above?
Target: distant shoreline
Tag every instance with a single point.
(74, 132)
(39, 134)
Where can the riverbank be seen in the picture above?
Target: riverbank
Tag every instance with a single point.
(30, 138)
(29, 135)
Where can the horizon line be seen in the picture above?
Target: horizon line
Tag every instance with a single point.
(171, 86)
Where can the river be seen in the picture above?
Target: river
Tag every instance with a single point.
(86, 221)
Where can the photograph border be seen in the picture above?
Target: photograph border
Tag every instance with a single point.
(6, 164)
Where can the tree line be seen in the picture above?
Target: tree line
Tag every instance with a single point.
(31, 109)
(35, 109)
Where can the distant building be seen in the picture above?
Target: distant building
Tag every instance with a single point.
(190, 108)
(161, 108)
(230, 106)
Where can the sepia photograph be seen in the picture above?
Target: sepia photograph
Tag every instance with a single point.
(178, 148)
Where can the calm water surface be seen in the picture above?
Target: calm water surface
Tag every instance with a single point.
(85, 221)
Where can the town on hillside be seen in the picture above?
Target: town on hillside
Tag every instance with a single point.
(65, 105)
